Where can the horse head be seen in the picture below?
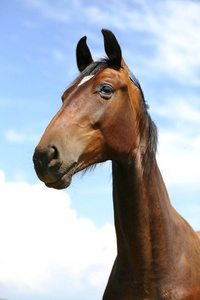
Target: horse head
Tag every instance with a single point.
(97, 120)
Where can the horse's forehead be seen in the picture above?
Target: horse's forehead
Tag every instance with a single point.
(113, 74)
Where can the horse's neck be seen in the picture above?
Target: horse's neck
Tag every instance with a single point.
(143, 218)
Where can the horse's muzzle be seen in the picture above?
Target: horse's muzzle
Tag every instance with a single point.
(51, 169)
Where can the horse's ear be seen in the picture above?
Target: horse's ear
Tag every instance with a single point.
(112, 48)
(83, 55)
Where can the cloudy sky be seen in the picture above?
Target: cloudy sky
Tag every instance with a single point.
(61, 244)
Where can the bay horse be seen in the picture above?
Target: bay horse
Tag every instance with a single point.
(104, 116)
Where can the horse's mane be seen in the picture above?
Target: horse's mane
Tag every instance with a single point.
(145, 119)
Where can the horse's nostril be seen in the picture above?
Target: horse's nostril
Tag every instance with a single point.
(55, 153)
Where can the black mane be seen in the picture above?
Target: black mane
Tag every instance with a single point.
(143, 113)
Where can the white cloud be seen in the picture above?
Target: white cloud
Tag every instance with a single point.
(179, 109)
(179, 145)
(177, 41)
(41, 236)
(13, 136)
(173, 27)
(174, 30)
(20, 176)
(179, 159)
(21, 136)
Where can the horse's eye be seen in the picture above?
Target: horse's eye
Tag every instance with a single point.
(106, 91)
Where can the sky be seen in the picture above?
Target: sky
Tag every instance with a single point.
(61, 244)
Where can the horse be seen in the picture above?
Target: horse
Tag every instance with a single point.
(104, 116)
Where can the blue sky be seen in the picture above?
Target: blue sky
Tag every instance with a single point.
(61, 244)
